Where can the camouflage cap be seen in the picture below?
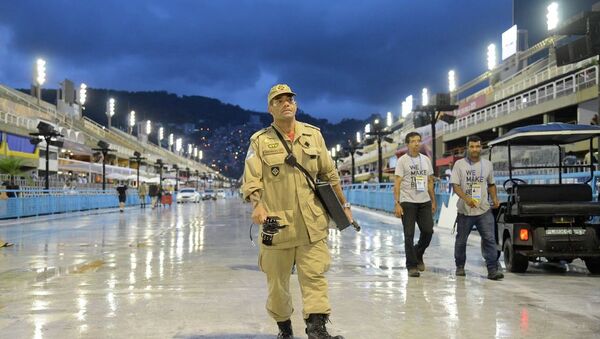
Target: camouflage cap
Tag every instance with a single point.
(278, 90)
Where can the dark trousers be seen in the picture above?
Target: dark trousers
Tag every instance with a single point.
(485, 226)
(420, 213)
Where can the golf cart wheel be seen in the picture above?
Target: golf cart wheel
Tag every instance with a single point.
(514, 262)
(593, 265)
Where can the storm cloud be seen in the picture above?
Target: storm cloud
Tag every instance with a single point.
(343, 58)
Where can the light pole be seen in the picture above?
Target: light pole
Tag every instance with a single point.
(161, 136)
(176, 168)
(110, 110)
(379, 132)
(48, 133)
(352, 148)
(335, 156)
(435, 112)
(137, 157)
(103, 147)
(159, 163)
(171, 142)
(197, 177)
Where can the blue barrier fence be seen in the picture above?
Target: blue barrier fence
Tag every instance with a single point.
(381, 196)
(26, 203)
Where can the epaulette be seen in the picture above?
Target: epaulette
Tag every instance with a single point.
(311, 126)
(257, 134)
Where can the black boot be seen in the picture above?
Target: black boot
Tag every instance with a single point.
(285, 330)
(315, 327)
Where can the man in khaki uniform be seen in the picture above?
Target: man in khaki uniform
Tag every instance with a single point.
(278, 189)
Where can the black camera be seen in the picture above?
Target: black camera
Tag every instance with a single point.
(269, 229)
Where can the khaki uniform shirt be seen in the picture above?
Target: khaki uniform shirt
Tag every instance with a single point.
(142, 191)
(284, 190)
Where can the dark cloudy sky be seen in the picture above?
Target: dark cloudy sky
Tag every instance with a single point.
(343, 58)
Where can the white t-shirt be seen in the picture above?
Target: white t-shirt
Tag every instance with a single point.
(415, 174)
(474, 179)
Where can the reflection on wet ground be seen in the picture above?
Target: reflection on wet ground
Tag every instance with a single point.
(190, 272)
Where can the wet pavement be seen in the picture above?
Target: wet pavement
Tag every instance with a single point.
(190, 272)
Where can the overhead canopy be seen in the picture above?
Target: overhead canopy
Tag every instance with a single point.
(547, 134)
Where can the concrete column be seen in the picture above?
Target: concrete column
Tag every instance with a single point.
(548, 117)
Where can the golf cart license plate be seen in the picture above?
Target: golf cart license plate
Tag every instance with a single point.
(565, 231)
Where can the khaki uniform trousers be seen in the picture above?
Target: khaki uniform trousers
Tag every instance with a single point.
(312, 261)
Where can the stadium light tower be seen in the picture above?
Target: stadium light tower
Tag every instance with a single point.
(178, 144)
(131, 121)
(389, 120)
(491, 57)
(171, 142)
(39, 78)
(451, 81)
(424, 97)
(161, 135)
(407, 106)
(200, 154)
(82, 94)
(552, 16)
(110, 110)
(148, 127)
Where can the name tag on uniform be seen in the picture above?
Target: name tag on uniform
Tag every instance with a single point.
(420, 181)
(476, 192)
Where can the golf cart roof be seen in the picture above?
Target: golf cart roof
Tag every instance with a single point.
(547, 134)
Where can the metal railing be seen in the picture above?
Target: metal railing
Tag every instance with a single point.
(529, 81)
(13, 120)
(36, 202)
(550, 91)
(381, 196)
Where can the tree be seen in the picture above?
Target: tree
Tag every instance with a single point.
(11, 166)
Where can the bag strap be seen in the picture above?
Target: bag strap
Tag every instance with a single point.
(291, 160)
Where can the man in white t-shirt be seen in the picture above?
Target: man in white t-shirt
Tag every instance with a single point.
(414, 201)
(473, 180)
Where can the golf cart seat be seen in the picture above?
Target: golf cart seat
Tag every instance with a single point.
(554, 200)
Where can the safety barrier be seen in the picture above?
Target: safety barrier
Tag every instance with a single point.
(381, 196)
(19, 204)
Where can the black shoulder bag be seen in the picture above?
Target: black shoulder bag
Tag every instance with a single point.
(323, 191)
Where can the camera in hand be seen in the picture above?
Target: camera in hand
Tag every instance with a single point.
(270, 228)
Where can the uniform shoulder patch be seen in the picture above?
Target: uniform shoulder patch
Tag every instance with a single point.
(311, 126)
(259, 133)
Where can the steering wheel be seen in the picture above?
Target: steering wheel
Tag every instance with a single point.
(513, 181)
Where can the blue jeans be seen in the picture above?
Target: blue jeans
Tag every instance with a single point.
(485, 227)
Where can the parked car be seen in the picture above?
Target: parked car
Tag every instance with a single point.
(209, 194)
(188, 195)
(221, 194)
